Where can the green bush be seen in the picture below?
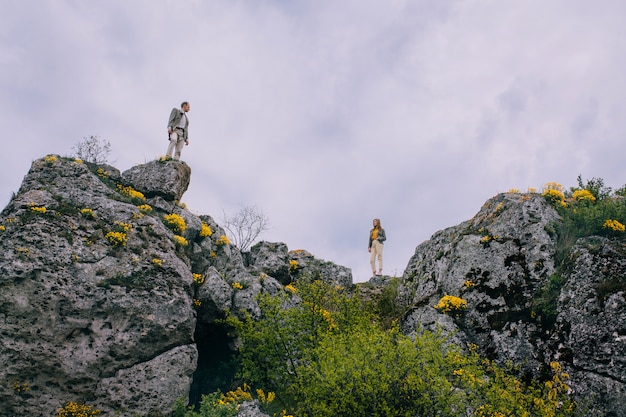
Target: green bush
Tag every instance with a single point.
(325, 354)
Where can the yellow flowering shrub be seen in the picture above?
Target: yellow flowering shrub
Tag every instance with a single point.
(145, 208)
(125, 227)
(180, 241)
(222, 240)
(88, 213)
(237, 396)
(290, 288)
(198, 279)
(73, 409)
(102, 173)
(451, 304)
(553, 192)
(50, 159)
(157, 262)
(21, 387)
(265, 398)
(38, 209)
(117, 238)
(130, 192)
(293, 266)
(237, 285)
(583, 195)
(613, 225)
(2, 228)
(175, 222)
(206, 230)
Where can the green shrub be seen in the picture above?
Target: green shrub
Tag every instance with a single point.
(325, 354)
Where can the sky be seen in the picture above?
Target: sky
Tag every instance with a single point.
(326, 114)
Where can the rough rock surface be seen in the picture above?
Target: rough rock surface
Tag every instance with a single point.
(101, 301)
(152, 180)
(499, 262)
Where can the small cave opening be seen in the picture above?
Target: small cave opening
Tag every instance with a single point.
(217, 362)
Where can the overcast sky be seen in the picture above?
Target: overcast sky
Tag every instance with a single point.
(326, 113)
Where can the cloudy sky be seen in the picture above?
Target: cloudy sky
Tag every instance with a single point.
(324, 113)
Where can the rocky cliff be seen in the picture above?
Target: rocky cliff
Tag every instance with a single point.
(110, 290)
(521, 308)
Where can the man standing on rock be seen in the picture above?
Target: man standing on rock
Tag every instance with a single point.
(177, 129)
(375, 246)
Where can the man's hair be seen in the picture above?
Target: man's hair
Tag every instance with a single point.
(183, 103)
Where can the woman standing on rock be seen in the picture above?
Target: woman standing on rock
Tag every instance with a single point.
(375, 246)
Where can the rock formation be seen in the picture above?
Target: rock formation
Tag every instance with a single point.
(110, 290)
(501, 262)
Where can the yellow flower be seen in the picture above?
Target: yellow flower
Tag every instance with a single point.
(38, 209)
(88, 213)
(124, 226)
(180, 241)
(130, 192)
(145, 208)
(293, 266)
(20, 388)
(469, 283)
(197, 303)
(157, 261)
(237, 285)
(198, 279)
(553, 192)
(78, 161)
(290, 288)
(73, 409)
(102, 173)
(451, 304)
(50, 159)
(206, 230)
(222, 240)
(117, 238)
(583, 195)
(175, 222)
(2, 228)
(613, 225)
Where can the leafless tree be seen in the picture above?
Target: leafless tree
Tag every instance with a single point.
(93, 149)
(245, 226)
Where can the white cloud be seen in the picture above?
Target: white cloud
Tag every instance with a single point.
(326, 114)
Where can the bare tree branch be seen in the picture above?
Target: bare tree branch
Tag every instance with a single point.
(93, 149)
(245, 226)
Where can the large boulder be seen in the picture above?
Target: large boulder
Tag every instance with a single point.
(502, 264)
(104, 302)
(165, 178)
(91, 292)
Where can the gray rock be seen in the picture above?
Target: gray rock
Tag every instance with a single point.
(89, 319)
(271, 259)
(251, 409)
(499, 262)
(303, 263)
(167, 179)
(159, 381)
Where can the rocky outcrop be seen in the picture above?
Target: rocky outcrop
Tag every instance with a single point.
(502, 263)
(590, 332)
(111, 291)
(152, 180)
